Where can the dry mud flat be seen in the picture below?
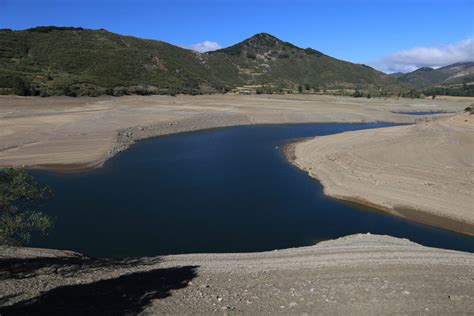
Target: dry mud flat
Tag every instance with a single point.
(357, 275)
(423, 172)
(75, 133)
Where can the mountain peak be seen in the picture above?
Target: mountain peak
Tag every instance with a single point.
(264, 36)
(260, 43)
(264, 40)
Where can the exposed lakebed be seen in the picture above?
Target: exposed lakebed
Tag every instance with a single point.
(221, 190)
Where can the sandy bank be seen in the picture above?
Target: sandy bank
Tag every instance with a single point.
(357, 275)
(77, 133)
(423, 172)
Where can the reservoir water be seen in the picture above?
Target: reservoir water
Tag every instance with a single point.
(221, 190)
(423, 113)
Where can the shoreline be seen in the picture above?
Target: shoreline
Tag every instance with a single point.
(77, 134)
(123, 145)
(410, 214)
(407, 212)
(79, 150)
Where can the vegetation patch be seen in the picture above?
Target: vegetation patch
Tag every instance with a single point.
(18, 221)
(71, 61)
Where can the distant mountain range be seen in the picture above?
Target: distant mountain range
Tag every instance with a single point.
(76, 61)
(451, 75)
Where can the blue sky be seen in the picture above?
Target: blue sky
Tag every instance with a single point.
(380, 33)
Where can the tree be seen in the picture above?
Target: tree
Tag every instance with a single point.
(17, 191)
(368, 95)
(20, 87)
(307, 86)
(300, 88)
(357, 94)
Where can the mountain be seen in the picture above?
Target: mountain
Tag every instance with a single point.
(76, 61)
(61, 60)
(450, 75)
(265, 59)
(396, 75)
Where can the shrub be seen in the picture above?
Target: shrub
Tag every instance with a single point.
(470, 109)
(44, 93)
(69, 92)
(357, 94)
(20, 87)
(251, 55)
(17, 191)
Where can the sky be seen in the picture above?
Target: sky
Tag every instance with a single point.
(390, 35)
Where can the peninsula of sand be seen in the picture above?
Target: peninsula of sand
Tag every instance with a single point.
(423, 172)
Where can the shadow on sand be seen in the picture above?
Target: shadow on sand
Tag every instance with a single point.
(128, 294)
(14, 268)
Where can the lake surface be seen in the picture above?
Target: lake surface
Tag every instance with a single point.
(222, 190)
(422, 113)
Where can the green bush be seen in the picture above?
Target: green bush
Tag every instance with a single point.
(17, 191)
(251, 55)
(357, 94)
(20, 87)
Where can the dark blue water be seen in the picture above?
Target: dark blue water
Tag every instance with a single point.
(223, 190)
(423, 113)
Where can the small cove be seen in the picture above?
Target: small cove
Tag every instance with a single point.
(221, 190)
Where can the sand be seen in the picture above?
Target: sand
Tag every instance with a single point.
(75, 133)
(356, 275)
(423, 172)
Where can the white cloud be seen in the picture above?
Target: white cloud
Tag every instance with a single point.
(409, 60)
(205, 46)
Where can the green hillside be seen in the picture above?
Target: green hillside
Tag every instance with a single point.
(76, 61)
(455, 74)
(64, 60)
(264, 59)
